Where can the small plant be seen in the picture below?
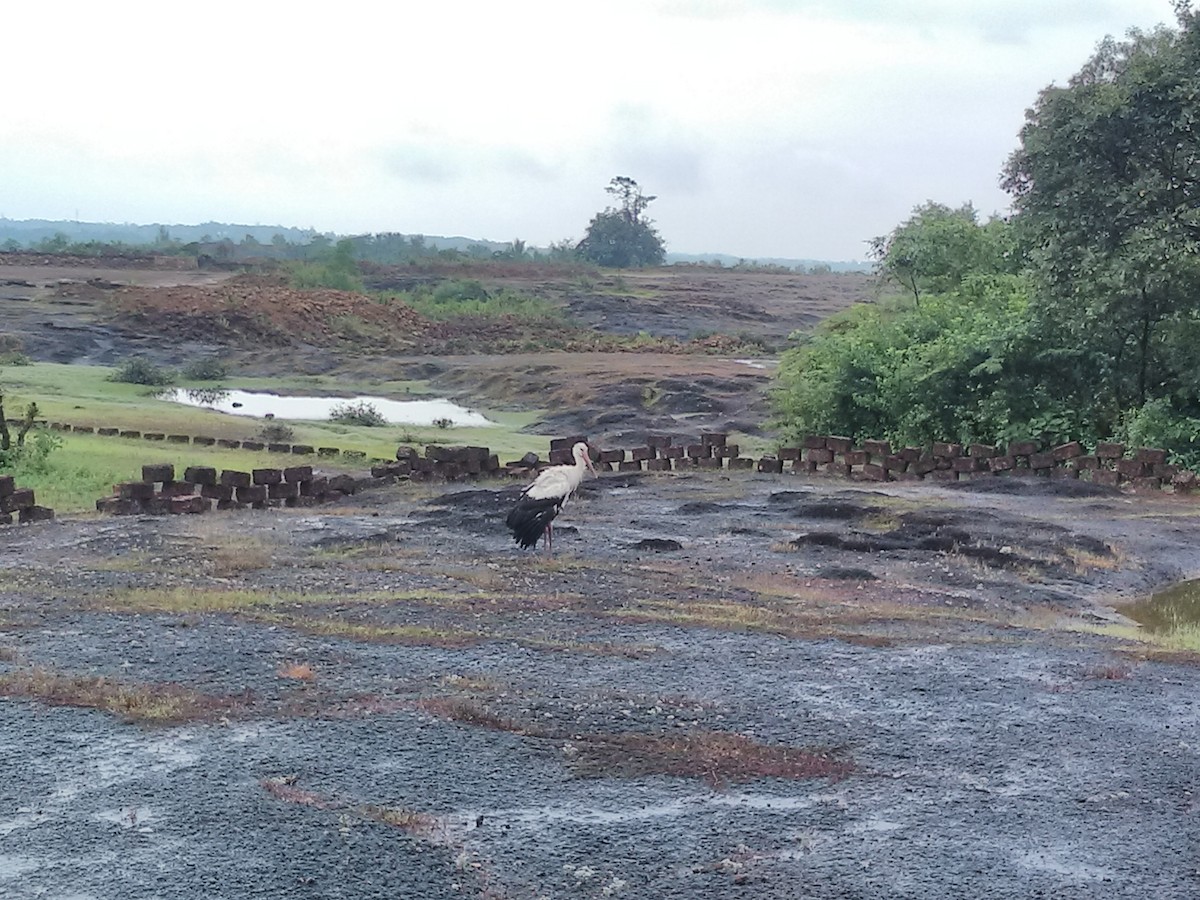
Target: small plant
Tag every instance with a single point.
(276, 433)
(443, 423)
(357, 413)
(138, 370)
(296, 671)
(12, 351)
(210, 368)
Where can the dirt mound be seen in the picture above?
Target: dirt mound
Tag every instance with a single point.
(265, 309)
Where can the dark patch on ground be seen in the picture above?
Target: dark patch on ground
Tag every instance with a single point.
(658, 545)
(845, 573)
(1034, 487)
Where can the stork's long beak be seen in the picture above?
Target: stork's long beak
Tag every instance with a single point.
(587, 460)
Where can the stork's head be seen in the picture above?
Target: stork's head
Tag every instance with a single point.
(582, 455)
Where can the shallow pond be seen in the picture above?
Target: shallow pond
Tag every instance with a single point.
(1175, 609)
(397, 412)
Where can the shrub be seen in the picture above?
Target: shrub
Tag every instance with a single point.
(357, 413)
(138, 370)
(276, 433)
(1156, 424)
(443, 423)
(210, 368)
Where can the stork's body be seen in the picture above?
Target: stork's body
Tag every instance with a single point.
(541, 501)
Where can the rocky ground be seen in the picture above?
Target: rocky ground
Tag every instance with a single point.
(718, 686)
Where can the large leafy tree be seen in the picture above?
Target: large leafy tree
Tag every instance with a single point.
(621, 236)
(1106, 184)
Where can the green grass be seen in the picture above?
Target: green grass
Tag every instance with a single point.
(442, 306)
(87, 466)
(1185, 638)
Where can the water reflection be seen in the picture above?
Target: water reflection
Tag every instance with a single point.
(262, 405)
(206, 396)
(1175, 609)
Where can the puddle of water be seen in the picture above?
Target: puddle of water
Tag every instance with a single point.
(1175, 609)
(396, 412)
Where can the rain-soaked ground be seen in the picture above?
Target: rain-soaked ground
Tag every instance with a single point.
(718, 687)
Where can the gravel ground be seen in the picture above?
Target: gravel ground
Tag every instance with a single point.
(400, 704)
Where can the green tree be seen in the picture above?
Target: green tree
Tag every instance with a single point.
(957, 367)
(934, 249)
(1106, 184)
(622, 237)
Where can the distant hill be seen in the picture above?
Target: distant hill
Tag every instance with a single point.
(31, 231)
(28, 232)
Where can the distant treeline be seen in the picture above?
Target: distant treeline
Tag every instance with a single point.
(233, 242)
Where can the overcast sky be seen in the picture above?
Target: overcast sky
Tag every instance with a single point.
(795, 128)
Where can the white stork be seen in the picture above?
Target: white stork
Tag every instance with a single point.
(540, 502)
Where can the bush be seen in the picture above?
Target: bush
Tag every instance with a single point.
(33, 455)
(138, 370)
(1156, 424)
(210, 368)
(357, 413)
(958, 367)
(12, 351)
(276, 433)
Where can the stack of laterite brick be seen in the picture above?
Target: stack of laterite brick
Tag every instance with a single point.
(159, 493)
(440, 463)
(1145, 469)
(660, 454)
(20, 501)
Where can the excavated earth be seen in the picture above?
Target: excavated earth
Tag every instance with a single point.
(689, 374)
(717, 686)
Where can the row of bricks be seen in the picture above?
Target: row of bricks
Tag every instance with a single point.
(204, 441)
(942, 450)
(1150, 463)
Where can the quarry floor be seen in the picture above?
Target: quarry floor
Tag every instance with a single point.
(720, 685)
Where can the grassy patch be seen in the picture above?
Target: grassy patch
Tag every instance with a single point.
(153, 704)
(87, 466)
(419, 824)
(716, 757)
(1184, 640)
(198, 600)
(421, 635)
(457, 299)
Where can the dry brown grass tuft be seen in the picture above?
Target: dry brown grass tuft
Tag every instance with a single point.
(714, 756)
(471, 712)
(419, 824)
(225, 560)
(297, 671)
(1108, 673)
(157, 704)
(418, 635)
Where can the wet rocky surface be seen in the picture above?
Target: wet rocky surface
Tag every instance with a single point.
(753, 686)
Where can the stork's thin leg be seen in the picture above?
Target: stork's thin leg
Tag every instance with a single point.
(550, 534)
